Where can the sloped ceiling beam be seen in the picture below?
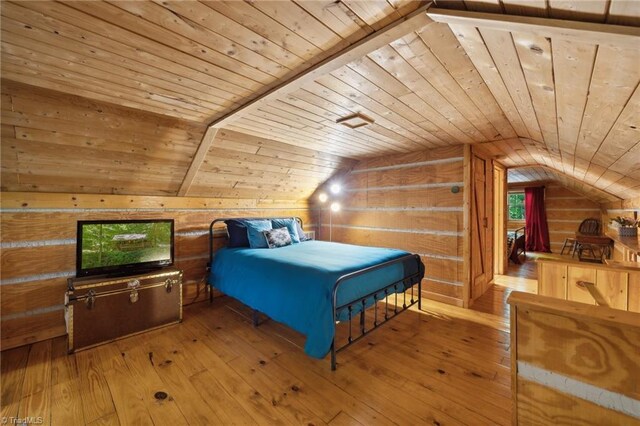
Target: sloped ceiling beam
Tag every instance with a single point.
(207, 140)
(584, 32)
(397, 29)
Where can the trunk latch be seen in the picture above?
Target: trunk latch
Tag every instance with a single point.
(133, 285)
(91, 299)
(168, 285)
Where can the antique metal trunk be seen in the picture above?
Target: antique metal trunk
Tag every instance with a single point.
(100, 310)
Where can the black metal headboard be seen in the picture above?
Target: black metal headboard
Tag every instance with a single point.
(238, 218)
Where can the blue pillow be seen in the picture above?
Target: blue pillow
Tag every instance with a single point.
(255, 229)
(301, 235)
(290, 224)
(237, 233)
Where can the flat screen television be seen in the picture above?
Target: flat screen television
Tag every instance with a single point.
(123, 247)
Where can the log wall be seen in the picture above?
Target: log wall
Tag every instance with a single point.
(38, 248)
(566, 209)
(406, 202)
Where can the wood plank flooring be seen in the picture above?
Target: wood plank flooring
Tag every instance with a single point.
(442, 366)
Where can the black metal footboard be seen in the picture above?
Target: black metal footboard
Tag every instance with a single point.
(384, 293)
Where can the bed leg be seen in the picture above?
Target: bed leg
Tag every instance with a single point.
(254, 317)
(333, 355)
(210, 290)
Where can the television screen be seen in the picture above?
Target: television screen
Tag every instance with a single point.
(123, 246)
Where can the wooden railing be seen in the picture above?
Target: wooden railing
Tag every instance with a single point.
(573, 363)
(615, 286)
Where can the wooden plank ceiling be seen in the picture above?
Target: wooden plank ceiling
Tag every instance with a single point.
(575, 105)
(572, 107)
(535, 175)
(191, 60)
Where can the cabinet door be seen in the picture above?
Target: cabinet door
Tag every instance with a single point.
(552, 280)
(613, 286)
(577, 293)
(633, 295)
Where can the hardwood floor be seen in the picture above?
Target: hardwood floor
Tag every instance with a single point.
(444, 365)
(528, 270)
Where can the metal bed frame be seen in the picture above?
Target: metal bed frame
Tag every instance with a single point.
(390, 290)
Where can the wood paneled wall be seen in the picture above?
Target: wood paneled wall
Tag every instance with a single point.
(566, 209)
(52, 142)
(38, 248)
(247, 166)
(405, 201)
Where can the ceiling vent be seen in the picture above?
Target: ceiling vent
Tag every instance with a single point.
(355, 120)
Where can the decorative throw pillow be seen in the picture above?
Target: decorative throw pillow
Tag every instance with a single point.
(255, 229)
(301, 234)
(278, 237)
(237, 233)
(290, 224)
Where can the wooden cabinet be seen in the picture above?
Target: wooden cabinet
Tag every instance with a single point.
(617, 286)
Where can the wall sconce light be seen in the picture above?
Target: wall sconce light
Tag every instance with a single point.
(335, 188)
(323, 197)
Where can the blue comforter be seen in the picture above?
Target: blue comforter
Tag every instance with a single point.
(294, 284)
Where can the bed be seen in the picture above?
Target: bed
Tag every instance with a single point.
(311, 285)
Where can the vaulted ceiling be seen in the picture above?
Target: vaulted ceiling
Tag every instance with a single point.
(531, 95)
(542, 174)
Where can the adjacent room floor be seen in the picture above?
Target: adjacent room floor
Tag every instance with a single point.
(441, 366)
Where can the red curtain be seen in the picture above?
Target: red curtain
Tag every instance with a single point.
(535, 220)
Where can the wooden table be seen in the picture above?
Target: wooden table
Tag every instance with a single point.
(601, 243)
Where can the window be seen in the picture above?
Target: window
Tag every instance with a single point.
(515, 201)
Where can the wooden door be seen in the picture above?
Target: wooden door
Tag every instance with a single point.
(481, 217)
(500, 259)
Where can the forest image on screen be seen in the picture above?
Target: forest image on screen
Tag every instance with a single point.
(116, 244)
